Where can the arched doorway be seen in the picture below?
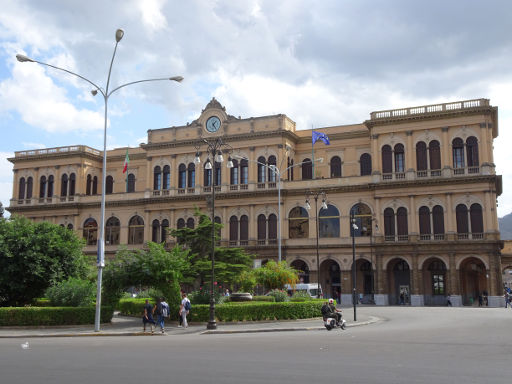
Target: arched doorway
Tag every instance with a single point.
(303, 269)
(473, 280)
(330, 278)
(364, 281)
(507, 276)
(434, 282)
(399, 282)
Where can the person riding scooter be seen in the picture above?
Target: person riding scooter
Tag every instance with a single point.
(329, 310)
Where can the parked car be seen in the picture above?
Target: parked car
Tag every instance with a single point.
(311, 289)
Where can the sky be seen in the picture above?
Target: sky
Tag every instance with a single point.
(322, 63)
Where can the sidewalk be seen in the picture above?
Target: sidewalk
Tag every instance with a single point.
(130, 326)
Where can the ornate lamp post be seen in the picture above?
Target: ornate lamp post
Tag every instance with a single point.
(214, 149)
(106, 94)
(315, 196)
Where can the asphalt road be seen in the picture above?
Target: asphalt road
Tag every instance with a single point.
(412, 345)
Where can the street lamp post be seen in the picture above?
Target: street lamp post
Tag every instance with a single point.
(214, 151)
(106, 94)
(308, 207)
(277, 172)
(353, 228)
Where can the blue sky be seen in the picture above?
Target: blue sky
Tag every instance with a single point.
(321, 63)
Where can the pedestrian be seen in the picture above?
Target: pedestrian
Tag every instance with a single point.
(480, 300)
(184, 309)
(148, 316)
(507, 299)
(402, 298)
(226, 293)
(162, 311)
(448, 301)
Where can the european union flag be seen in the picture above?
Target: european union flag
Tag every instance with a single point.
(320, 136)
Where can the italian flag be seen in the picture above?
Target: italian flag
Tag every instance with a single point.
(126, 161)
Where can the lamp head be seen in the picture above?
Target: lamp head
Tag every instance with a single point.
(22, 58)
(119, 35)
(178, 79)
(230, 162)
(197, 159)
(219, 158)
(94, 92)
(208, 164)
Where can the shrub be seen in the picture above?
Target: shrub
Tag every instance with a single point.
(39, 316)
(203, 297)
(263, 298)
(279, 295)
(301, 296)
(251, 311)
(133, 306)
(71, 293)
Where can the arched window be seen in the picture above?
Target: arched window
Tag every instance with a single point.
(307, 169)
(458, 153)
(218, 173)
(244, 229)
(64, 185)
(272, 228)
(72, 184)
(233, 230)
(434, 152)
(90, 232)
(165, 231)
(190, 223)
(261, 169)
(329, 222)
(421, 156)
(21, 188)
(438, 220)
(42, 186)
(70, 226)
(112, 231)
(477, 223)
(88, 185)
(262, 228)
(95, 185)
(50, 186)
(365, 163)
(389, 224)
(29, 187)
(335, 166)
(401, 223)
(424, 217)
(399, 158)
(387, 159)
(131, 183)
(472, 151)
(110, 185)
(438, 272)
(157, 178)
(207, 177)
(180, 224)
(271, 172)
(363, 216)
(191, 175)
(244, 171)
(136, 230)
(155, 231)
(167, 177)
(233, 177)
(182, 176)
(461, 214)
(298, 223)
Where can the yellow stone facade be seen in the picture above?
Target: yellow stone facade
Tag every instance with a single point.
(426, 213)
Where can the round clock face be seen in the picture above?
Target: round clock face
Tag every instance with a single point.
(213, 124)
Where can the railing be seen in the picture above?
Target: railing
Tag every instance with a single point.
(463, 236)
(181, 191)
(459, 171)
(414, 111)
(261, 185)
(425, 173)
(165, 192)
(272, 184)
(233, 187)
(191, 190)
(424, 237)
(472, 170)
(403, 237)
(422, 173)
(400, 175)
(244, 186)
(51, 151)
(156, 193)
(439, 236)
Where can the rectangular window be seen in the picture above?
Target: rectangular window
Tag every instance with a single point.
(438, 284)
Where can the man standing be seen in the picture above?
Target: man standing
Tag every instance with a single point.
(148, 316)
(184, 309)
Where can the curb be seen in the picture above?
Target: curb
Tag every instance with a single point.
(372, 320)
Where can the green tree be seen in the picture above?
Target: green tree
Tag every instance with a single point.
(229, 262)
(1, 210)
(34, 256)
(276, 275)
(153, 267)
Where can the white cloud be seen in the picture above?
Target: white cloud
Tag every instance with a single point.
(152, 16)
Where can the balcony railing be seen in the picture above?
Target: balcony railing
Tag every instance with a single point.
(414, 111)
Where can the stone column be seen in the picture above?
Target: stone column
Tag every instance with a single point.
(413, 217)
(488, 212)
(252, 223)
(446, 162)
(174, 172)
(454, 284)
(253, 167)
(450, 214)
(417, 297)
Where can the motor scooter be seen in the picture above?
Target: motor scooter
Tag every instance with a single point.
(330, 323)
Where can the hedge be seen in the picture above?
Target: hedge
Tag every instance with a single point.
(133, 306)
(257, 311)
(35, 316)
